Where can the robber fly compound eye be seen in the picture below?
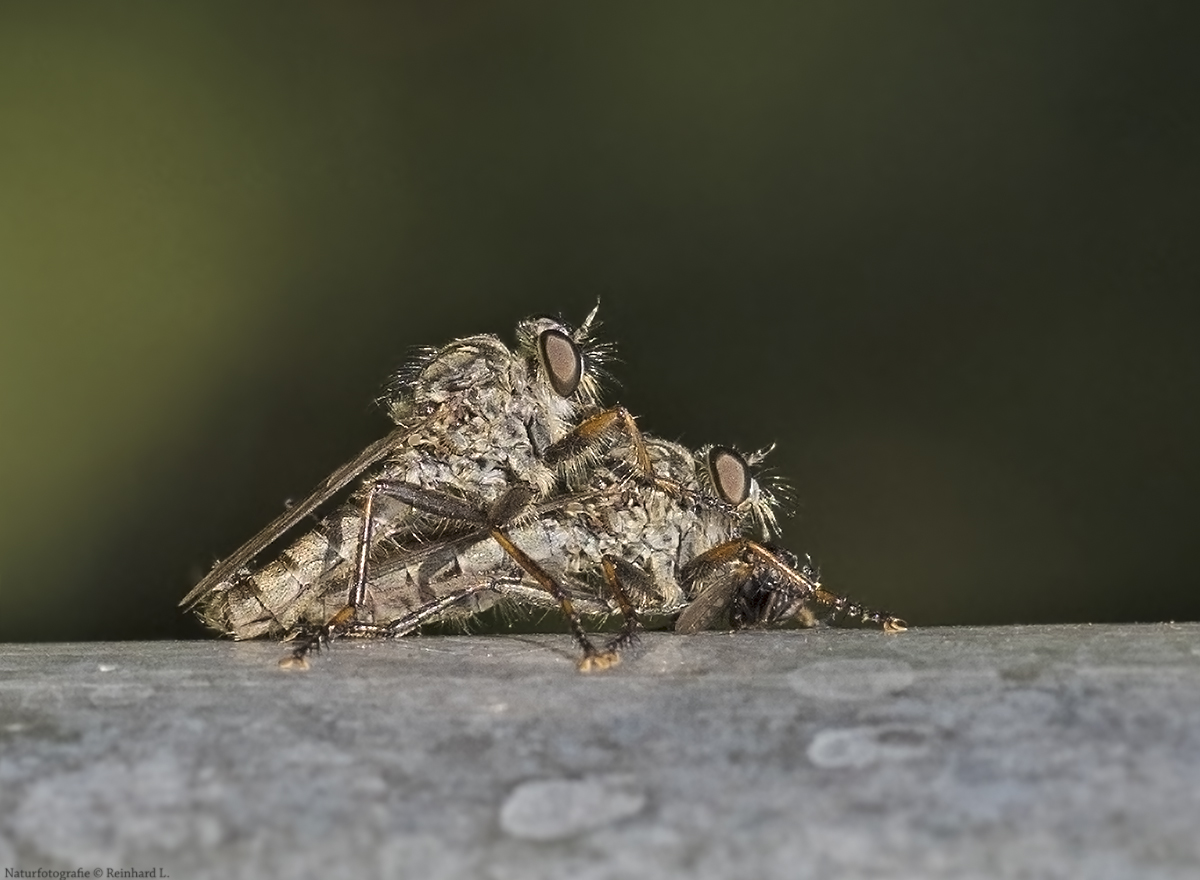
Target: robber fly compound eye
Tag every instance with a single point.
(730, 475)
(562, 360)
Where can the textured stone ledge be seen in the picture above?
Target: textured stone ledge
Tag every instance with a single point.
(1060, 751)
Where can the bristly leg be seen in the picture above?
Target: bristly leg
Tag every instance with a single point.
(592, 660)
(617, 572)
(835, 610)
(426, 500)
(508, 507)
(342, 625)
(586, 435)
(764, 585)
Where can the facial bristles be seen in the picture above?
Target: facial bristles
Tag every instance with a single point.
(727, 475)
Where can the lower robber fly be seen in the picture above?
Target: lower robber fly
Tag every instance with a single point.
(679, 549)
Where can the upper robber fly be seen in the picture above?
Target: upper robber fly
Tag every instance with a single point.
(482, 433)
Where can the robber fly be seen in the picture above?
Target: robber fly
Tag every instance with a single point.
(483, 434)
(684, 547)
(706, 553)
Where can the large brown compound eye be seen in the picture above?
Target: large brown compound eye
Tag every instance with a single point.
(562, 361)
(730, 475)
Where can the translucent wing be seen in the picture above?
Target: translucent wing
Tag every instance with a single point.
(712, 601)
(329, 487)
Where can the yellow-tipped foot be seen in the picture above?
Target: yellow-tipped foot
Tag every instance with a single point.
(291, 661)
(599, 662)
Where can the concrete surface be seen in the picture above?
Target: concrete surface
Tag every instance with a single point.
(1063, 751)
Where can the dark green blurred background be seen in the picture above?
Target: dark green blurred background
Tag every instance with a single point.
(944, 254)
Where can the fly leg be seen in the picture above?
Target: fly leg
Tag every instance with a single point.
(343, 624)
(761, 585)
(834, 609)
(589, 433)
(346, 619)
(448, 507)
(507, 508)
(617, 572)
(402, 626)
(841, 611)
(592, 660)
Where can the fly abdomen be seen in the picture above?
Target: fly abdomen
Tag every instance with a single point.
(304, 585)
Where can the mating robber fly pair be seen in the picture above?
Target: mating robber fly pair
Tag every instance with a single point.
(506, 482)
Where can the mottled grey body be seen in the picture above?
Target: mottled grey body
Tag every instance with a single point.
(569, 535)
